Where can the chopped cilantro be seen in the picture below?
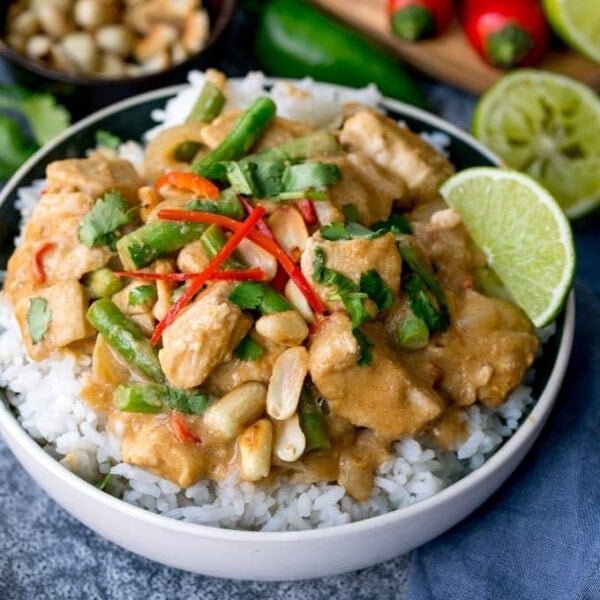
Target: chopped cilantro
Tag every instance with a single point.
(194, 403)
(365, 357)
(141, 294)
(336, 231)
(351, 212)
(310, 175)
(396, 224)
(376, 288)
(39, 317)
(248, 349)
(99, 226)
(107, 139)
(255, 295)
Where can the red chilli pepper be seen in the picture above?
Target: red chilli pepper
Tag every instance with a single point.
(182, 431)
(261, 225)
(511, 33)
(189, 181)
(242, 230)
(307, 210)
(253, 274)
(268, 244)
(413, 20)
(39, 274)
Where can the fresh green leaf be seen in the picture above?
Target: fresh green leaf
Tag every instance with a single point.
(315, 195)
(365, 357)
(46, 118)
(376, 288)
(351, 213)
(310, 175)
(248, 349)
(109, 213)
(355, 306)
(14, 147)
(194, 403)
(203, 206)
(107, 139)
(356, 230)
(255, 295)
(396, 223)
(241, 177)
(39, 317)
(141, 294)
(334, 232)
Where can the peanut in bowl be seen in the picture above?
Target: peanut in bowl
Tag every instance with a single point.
(103, 59)
(323, 548)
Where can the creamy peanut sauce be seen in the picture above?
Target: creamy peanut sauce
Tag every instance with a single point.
(481, 357)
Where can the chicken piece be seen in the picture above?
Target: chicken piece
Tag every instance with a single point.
(280, 131)
(352, 258)
(140, 314)
(204, 335)
(482, 356)
(235, 372)
(370, 187)
(55, 220)
(94, 176)
(149, 442)
(383, 395)
(398, 149)
(192, 258)
(67, 303)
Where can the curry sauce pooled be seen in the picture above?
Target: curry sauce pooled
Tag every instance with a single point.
(265, 299)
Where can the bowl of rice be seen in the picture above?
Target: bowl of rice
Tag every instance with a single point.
(232, 528)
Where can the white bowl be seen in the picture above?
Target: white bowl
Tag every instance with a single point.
(280, 555)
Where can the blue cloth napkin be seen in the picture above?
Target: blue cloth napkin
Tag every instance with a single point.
(539, 536)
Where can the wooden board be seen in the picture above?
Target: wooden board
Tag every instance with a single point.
(449, 57)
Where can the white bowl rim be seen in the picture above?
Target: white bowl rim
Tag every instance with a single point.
(540, 411)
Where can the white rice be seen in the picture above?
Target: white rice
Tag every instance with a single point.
(46, 395)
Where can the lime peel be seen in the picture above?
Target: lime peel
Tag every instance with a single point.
(523, 232)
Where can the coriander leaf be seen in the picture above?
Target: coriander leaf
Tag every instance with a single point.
(334, 232)
(318, 265)
(395, 223)
(255, 295)
(248, 349)
(376, 288)
(194, 403)
(365, 357)
(268, 178)
(356, 230)
(39, 317)
(356, 309)
(109, 213)
(14, 147)
(241, 177)
(436, 319)
(316, 195)
(142, 294)
(351, 212)
(247, 295)
(202, 206)
(46, 118)
(107, 139)
(310, 175)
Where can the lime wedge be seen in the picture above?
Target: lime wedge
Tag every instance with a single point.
(577, 22)
(523, 232)
(547, 126)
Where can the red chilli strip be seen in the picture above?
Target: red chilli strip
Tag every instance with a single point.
(268, 244)
(39, 275)
(182, 431)
(242, 230)
(261, 225)
(189, 181)
(253, 274)
(307, 210)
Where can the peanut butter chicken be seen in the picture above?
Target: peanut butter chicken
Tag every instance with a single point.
(267, 299)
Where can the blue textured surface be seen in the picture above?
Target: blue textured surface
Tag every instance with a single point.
(538, 537)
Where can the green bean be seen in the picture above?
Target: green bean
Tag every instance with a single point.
(186, 151)
(155, 239)
(144, 398)
(313, 423)
(101, 283)
(212, 240)
(154, 398)
(412, 333)
(122, 335)
(318, 143)
(209, 104)
(245, 132)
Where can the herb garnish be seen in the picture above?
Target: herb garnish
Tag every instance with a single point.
(248, 349)
(99, 226)
(255, 295)
(39, 317)
(141, 294)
